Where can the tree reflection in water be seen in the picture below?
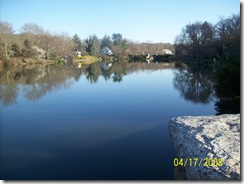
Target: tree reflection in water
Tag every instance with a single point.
(117, 77)
(35, 81)
(93, 72)
(107, 74)
(194, 84)
(8, 89)
(228, 88)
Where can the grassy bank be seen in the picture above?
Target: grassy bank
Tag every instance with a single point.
(87, 60)
(18, 61)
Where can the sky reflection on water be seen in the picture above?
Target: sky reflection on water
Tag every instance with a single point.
(100, 130)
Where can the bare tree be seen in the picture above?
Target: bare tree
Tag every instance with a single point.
(32, 28)
(195, 40)
(221, 29)
(6, 39)
(65, 45)
(234, 27)
(48, 43)
(228, 33)
(32, 32)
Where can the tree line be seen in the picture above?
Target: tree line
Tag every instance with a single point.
(120, 46)
(205, 41)
(197, 41)
(35, 42)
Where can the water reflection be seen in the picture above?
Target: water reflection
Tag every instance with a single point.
(8, 89)
(195, 84)
(228, 88)
(117, 77)
(33, 82)
(37, 80)
(93, 72)
(107, 130)
(228, 106)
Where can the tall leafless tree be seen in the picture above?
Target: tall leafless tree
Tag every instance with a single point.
(6, 39)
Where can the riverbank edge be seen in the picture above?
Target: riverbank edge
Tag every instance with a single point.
(17, 61)
(208, 139)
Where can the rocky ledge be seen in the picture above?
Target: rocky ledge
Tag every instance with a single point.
(210, 139)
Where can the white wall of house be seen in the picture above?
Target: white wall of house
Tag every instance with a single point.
(106, 51)
(167, 51)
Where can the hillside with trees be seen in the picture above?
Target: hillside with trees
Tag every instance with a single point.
(204, 41)
(35, 44)
(199, 42)
(217, 46)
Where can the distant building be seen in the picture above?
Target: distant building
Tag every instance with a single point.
(106, 51)
(78, 54)
(106, 66)
(167, 51)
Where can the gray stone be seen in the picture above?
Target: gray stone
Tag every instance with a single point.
(210, 137)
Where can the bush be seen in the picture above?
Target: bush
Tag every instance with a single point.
(137, 58)
(28, 53)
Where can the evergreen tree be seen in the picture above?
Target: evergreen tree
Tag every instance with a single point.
(106, 42)
(93, 45)
(77, 41)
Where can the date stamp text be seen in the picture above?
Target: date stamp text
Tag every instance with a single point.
(197, 162)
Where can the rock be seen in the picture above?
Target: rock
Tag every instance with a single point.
(208, 138)
(180, 173)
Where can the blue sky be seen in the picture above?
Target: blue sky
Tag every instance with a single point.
(137, 20)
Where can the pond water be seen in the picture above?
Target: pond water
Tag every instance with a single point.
(98, 123)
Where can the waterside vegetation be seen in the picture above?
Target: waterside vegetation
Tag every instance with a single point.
(198, 44)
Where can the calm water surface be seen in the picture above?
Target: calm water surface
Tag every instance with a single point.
(68, 123)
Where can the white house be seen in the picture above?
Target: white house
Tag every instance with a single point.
(78, 54)
(106, 51)
(106, 66)
(167, 51)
